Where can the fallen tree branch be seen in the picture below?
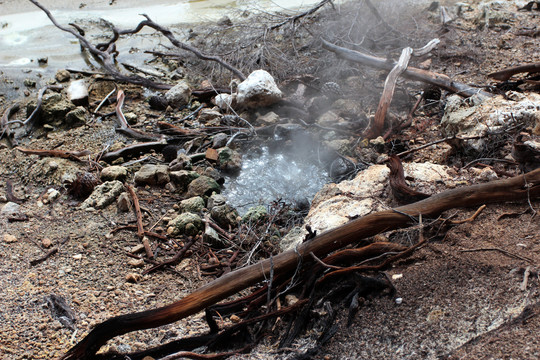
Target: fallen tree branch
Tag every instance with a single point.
(297, 17)
(412, 73)
(134, 150)
(376, 129)
(71, 155)
(521, 187)
(4, 124)
(169, 35)
(104, 57)
(123, 124)
(507, 73)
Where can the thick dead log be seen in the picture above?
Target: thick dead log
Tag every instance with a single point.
(517, 188)
(425, 76)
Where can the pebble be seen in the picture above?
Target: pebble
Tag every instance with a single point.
(136, 263)
(46, 243)
(8, 238)
(133, 278)
(78, 257)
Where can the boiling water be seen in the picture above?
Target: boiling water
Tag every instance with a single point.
(269, 176)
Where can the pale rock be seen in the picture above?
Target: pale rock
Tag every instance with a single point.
(329, 118)
(136, 263)
(219, 140)
(76, 117)
(428, 172)
(114, 172)
(78, 92)
(9, 239)
(258, 90)
(11, 208)
(207, 115)
(133, 278)
(103, 195)
(337, 204)
(212, 238)
(124, 202)
(179, 94)
(150, 174)
(216, 200)
(203, 186)
(477, 116)
(294, 237)
(270, 118)
(225, 101)
(46, 243)
(137, 249)
(62, 75)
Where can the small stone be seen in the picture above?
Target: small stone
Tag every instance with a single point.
(229, 160)
(29, 83)
(258, 90)
(235, 319)
(291, 299)
(78, 256)
(78, 92)
(216, 200)
(194, 204)
(255, 214)
(225, 101)
(219, 140)
(103, 195)
(208, 115)
(114, 172)
(8, 238)
(225, 21)
(152, 175)
(270, 118)
(184, 223)
(212, 238)
(225, 216)
(52, 194)
(11, 208)
(133, 278)
(124, 202)
(62, 75)
(179, 95)
(203, 186)
(131, 118)
(399, 301)
(43, 60)
(46, 243)
(137, 249)
(137, 263)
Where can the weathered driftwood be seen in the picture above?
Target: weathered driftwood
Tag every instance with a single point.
(517, 188)
(376, 128)
(425, 76)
